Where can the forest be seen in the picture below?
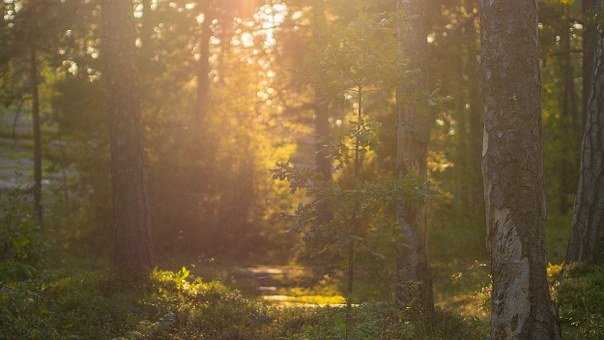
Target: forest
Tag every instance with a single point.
(302, 169)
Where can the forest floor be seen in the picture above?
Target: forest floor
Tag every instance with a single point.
(278, 285)
(460, 286)
(286, 286)
(15, 162)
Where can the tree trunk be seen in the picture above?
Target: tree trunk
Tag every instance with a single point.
(569, 116)
(512, 163)
(132, 257)
(413, 288)
(146, 30)
(589, 40)
(199, 146)
(203, 66)
(475, 117)
(37, 134)
(587, 238)
(323, 162)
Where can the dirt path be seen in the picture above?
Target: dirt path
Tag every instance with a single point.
(284, 286)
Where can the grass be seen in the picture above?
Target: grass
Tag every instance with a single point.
(463, 288)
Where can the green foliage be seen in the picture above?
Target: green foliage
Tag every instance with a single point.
(205, 310)
(91, 305)
(21, 245)
(372, 321)
(581, 300)
(265, 86)
(80, 304)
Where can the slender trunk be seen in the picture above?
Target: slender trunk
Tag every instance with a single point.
(475, 118)
(512, 162)
(322, 158)
(462, 151)
(587, 237)
(354, 225)
(322, 129)
(476, 130)
(322, 135)
(413, 288)
(35, 111)
(203, 67)
(569, 118)
(589, 40)
(132, 256)
(197, 184)
(147, 30)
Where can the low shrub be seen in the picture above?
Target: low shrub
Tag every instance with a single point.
(580, 296)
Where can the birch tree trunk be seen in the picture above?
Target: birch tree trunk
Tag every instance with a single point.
(413, 288)
(512, 163)
(587, 237)
(132, 257)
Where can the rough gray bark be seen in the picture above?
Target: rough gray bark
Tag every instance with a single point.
(512, 164)
(413, 287)
(37, 134)
(587, 237)
(131, 219)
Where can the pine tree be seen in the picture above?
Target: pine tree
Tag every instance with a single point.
(587, 238)
(132, 256)
(521, 307)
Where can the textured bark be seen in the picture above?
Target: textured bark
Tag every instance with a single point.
(512, 163)
(37, 134)
(587, 238)
(413, 288)
(132, 256)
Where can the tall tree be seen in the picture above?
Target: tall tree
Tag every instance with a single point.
(589, 41)
(37, 132)
(321, 109)
(414, 119)
(587, 237)
(512, 162)
(130, 207)
(203, 66)
(569, 113)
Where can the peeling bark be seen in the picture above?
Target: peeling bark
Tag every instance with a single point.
(587, 237)
(131, 220)
(512, 163)
(413, 288)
